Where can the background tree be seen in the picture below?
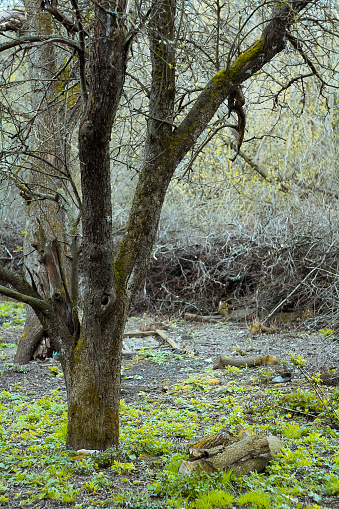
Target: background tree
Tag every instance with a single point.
(47, 165)
(177, 116)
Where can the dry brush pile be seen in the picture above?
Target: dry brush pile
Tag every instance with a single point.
(288, 264)
(11, 239)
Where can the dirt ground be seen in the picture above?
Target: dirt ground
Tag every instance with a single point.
(152, 370)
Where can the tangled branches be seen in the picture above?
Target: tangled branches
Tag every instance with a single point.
(274, 267)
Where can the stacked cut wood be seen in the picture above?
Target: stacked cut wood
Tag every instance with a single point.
(242, 453)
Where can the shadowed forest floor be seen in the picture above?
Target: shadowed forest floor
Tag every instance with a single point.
(171, 399)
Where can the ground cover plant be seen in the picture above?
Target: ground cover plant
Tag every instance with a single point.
(157, 424)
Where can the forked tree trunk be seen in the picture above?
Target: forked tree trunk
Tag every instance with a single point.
(92, 374)
(92, 367)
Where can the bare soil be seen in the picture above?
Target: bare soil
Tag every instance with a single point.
(205, 341)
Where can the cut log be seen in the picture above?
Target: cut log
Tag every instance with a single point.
(139, 334)
(243, 453)
(242, 362)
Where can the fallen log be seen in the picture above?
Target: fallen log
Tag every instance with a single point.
(142, 334)
(202, 318)
(139, 334)
(242, 453)
(225, 314)
(223, 361)
(170, 341)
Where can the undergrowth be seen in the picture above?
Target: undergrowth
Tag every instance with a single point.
(12, 313)
(263, 263)
(154, 438)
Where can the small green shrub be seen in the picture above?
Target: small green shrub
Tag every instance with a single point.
(214, 498)
(54, 370)
(257, 499)
(13, 312)
(293, 430)
(306, 402)
(326, 332)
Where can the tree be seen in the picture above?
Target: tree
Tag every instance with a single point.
(49, 151)
(91, 353)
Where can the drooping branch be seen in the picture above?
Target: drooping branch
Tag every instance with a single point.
(258, 169)
(277, 181)
(290, 83)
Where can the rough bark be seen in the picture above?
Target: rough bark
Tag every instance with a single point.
(45, 219)
(133, 257)
(242, 453)
(92, 365)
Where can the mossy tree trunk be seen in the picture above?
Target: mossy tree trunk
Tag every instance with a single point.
(91, 356)
(92, 365)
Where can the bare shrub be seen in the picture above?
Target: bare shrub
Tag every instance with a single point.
(274, 261)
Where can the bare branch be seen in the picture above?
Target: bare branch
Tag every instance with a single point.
(43, 305)
(272, 41)
(82, 61)
(66, 22)
(12, 21)
(37, 38)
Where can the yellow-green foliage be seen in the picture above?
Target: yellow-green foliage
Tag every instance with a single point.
(15, 312)
(54, 370)
(257, 499)
(293, 430)
(154, 436)
(307, 402)
(215, 498)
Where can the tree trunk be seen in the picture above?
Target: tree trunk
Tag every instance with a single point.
(92, 374)
(92, 367)
(30, 338)
(45, 219)
(91, 356)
